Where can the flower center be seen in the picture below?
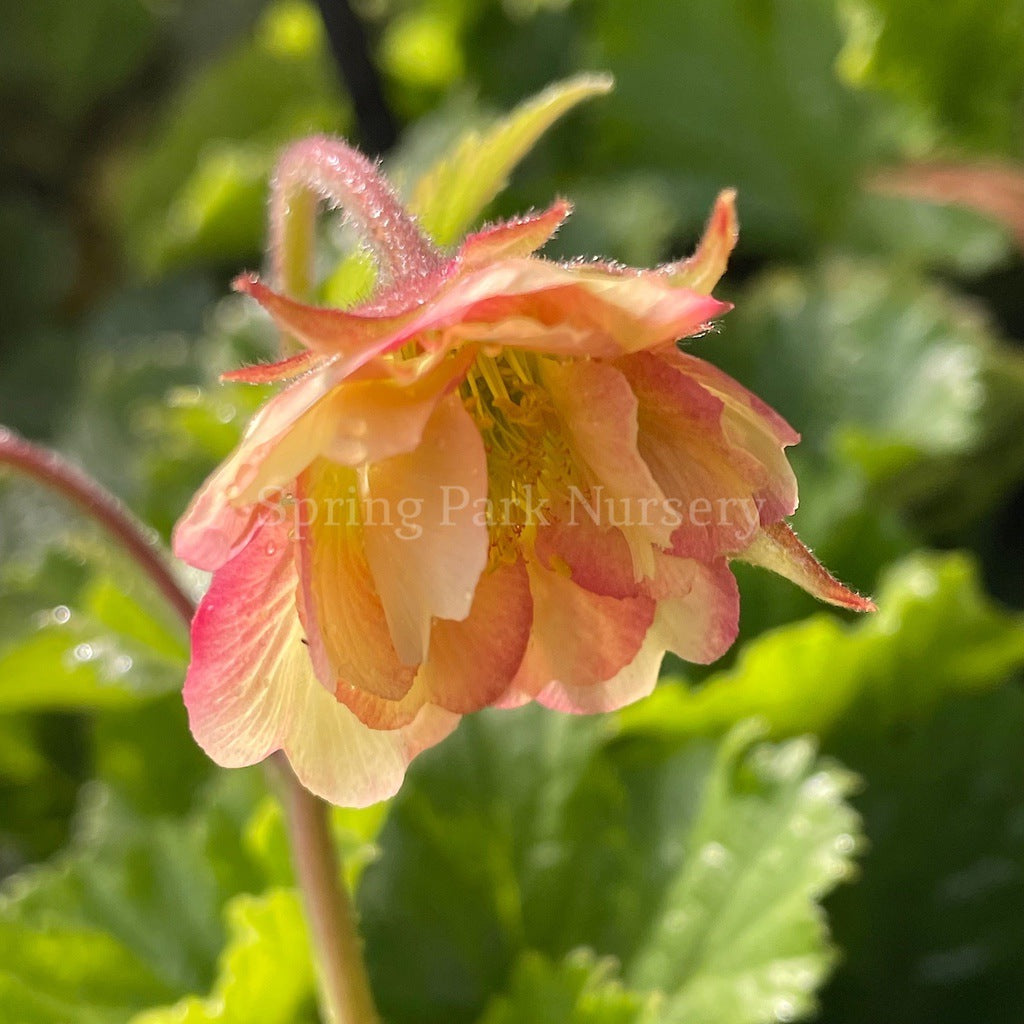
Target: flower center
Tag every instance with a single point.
(530, 464)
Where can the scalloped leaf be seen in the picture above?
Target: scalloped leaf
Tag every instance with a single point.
(698, 866)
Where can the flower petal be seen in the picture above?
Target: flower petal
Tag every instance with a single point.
(703, 270)
(597, 557)
(720, 490)
(348, 635)
(599, 410)
(251, 688)
(733, 394)
(697, 618)
(288, 431)
(471, 663)
(519, 237)
(573, 309)
(631, 683)
(698, 608)
(374, 420)
(426, 541)
(579, 638)
(778, 548)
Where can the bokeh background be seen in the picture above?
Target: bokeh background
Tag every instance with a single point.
(878, 150)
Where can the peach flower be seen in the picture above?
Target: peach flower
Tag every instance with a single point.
(498, 480)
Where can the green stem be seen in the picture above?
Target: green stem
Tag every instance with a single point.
(51, 469)
(345, 993)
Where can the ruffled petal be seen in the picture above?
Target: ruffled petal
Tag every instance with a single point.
(597, 557)
(283, 437)
(579, 638)
(697, 617)
(471, 663)
(426, 540)
(599, 411)
(349, 423)
(375, 420)
(703, 270)
(512, 238)
(721, 492)
(681, 440)
(566, 309)
(349, 640)
(778, 548)
(251, 689)
(733, 394)
(631, 683)
(698, 608)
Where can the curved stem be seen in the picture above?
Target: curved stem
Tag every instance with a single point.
(329, 170)
(54, 471)
(345, 992)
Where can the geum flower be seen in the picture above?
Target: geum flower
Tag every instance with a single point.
(498, 480)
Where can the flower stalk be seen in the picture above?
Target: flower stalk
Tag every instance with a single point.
(53, 471)
(345, 995)
(344, 986)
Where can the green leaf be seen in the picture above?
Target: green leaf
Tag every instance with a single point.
(883, 371)
(960, 64)
(265, 971)
(450, 196)
(79, 627)
(911, 699)
(928, 234)
(65, 973)
(195, 191)
(708, 861)
(578, 990)
(129, 916)
(936, 931)
(690, 105)
(936, 633)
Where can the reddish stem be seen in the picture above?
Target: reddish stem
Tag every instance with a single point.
(52, 470)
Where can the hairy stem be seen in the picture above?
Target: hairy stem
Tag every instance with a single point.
(344, 985)
(52, 470)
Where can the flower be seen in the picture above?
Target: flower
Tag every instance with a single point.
(498, 480)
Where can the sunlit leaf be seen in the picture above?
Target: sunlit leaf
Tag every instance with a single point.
(265, 971)
(129, 917)
(697, 866)
(195, 192)
(454, 192)
(936, 633)
(578, 990)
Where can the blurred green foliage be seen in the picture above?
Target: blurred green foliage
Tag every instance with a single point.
(667, 865)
